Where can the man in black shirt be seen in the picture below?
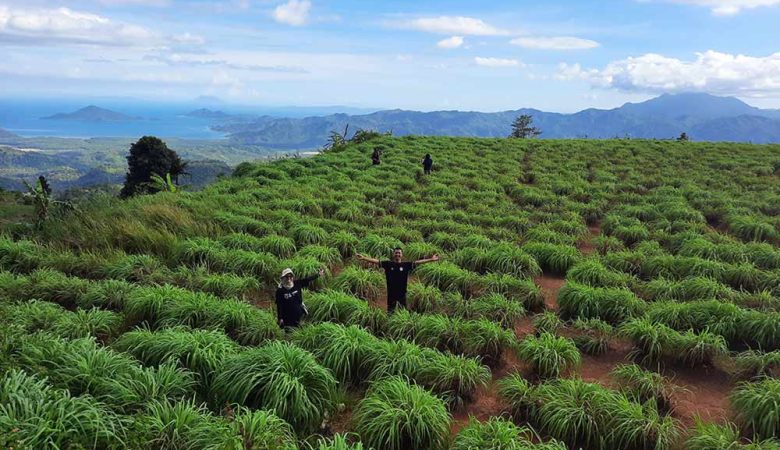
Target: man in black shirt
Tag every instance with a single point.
(289, 298)
(397, 275)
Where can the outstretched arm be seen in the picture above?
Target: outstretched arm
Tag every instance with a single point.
(367, 259)
(427, 260)
(305, 282)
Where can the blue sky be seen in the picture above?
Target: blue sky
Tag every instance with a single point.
(469, 55)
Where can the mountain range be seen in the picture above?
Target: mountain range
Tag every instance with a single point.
(701, 116)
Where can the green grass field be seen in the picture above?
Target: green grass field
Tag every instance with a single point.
(148, 323)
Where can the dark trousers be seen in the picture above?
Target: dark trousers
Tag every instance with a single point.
(395, 301)
(427, 170)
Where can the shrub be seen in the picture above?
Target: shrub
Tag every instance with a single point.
(548, 354)
(524, 291)
(547, 322)
(362, 283)
(757, 406)
(642, 385)
(422, 298)
(753, 364)
(511, 260)
(347, 351)
(499, 434)
(593, 273)
(324, 255)
(609, 304)
(180, 426)
(397, 416)
(516, 391)
(595, 336)
(713, 436)
(280, 377)
(493, 307)
(279, 246)
(305, 234)
(258, 430)
(344, 242)
(34, 415)
(553, 258)
(201, 351)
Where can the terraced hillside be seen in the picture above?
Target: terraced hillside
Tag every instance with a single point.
(590, 294)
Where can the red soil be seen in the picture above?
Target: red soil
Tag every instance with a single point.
(704, 393)
(587, 246)
(550, 285)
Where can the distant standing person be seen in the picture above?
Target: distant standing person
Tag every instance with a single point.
(376, 156)
(289, 298)
(397, 274)
(427, 163)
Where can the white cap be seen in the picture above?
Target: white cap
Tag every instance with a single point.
(286, 271)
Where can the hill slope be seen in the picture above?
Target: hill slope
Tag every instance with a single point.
(700, 115)
(173, 294)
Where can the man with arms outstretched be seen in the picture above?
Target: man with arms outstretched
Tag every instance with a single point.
(397, 275)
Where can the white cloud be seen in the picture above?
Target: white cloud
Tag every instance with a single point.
(497, 62)
(711, 71)
(729, 7)
(456, 25)
(135, 2)
(66, 25)
(294, 12)
(188, 39)
(554, 43)
(451, 42)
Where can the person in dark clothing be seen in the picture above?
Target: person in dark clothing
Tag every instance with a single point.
(376, 156)
(427, 163)
(397, 275)
(289, 298)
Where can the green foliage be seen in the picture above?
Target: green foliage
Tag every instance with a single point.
(713, 436)
(499, 434)
(549, 355)
(280, 377)
(34, 415)
(396, 415)
(149, 156)
(757, 407)
(362, 283)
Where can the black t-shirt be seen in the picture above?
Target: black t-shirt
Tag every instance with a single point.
(397, 275)
(289, 302)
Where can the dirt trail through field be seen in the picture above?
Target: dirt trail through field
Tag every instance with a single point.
(588, 246)
(550, 285)
(486, 403)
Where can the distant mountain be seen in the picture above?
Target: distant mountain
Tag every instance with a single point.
(93, 113)
(204, 113)
(6, 137)
(704, 117)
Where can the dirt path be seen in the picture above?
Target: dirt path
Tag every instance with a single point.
(587, 246)
(550, 285)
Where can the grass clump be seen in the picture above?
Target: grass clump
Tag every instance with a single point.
(549, 355)
(396, 415)
(757, 406)
(279, 377)
(499, 434)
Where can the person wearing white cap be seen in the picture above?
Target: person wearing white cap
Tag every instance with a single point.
(289, 298)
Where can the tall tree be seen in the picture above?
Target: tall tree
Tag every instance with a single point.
(150, 156)
(523, 127)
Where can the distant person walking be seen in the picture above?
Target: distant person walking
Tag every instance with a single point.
(289, 298)
(376, 156)
(427, 163)
(397, 275)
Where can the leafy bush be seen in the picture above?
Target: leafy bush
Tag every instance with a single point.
(396, 415)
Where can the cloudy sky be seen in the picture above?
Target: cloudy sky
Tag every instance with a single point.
(561, 55)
